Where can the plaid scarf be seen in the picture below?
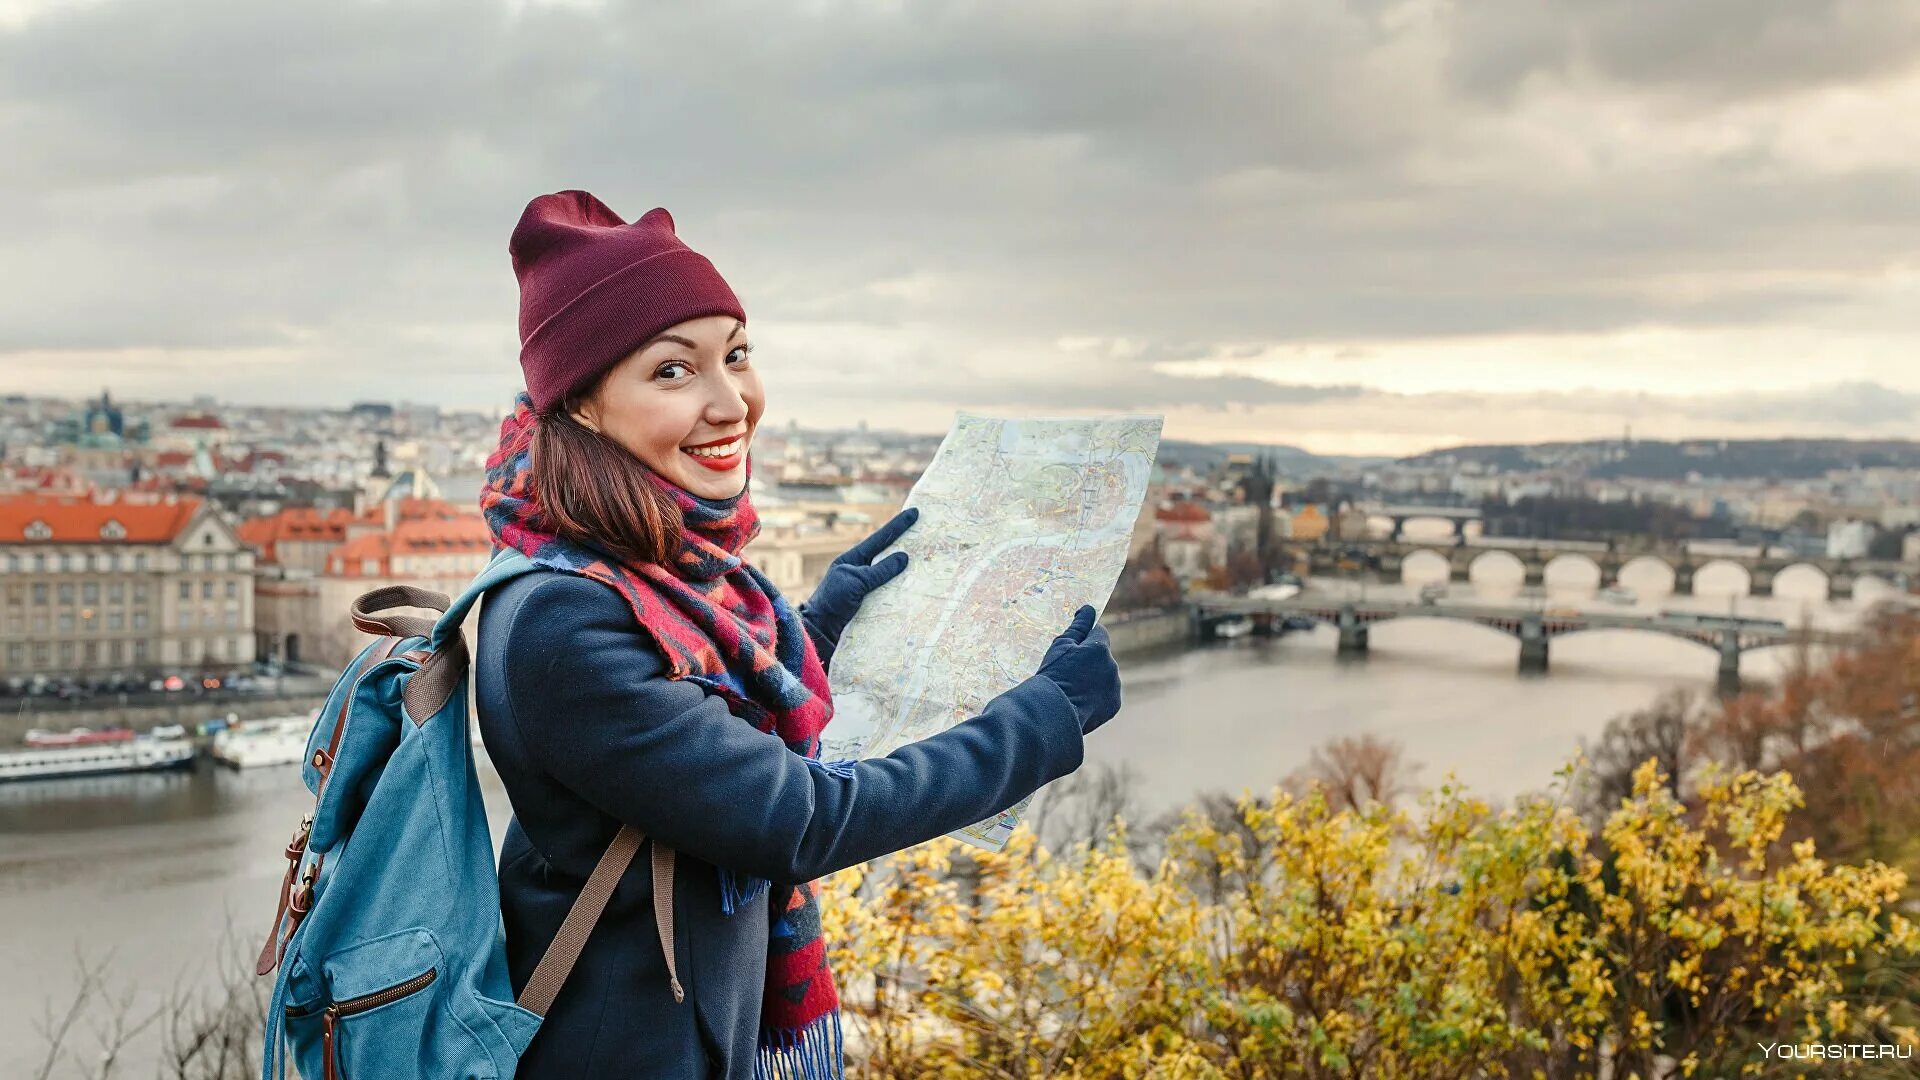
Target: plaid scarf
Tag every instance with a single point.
(721, 624)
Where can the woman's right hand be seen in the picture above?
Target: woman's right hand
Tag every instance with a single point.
(1080, 662)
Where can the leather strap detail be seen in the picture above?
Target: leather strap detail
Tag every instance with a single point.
(397, 596)
(435, 682)
(663, 912)
(276, 945)
(564, 951)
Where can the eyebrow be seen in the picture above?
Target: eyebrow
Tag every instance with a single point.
(678, 340)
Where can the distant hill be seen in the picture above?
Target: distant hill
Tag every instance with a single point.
(1290, 460)
(1730, 459)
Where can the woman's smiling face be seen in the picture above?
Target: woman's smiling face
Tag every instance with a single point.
(692, 387)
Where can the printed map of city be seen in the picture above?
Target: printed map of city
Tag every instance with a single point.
(1021, 522)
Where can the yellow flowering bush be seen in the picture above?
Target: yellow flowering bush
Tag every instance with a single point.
(1291, 940)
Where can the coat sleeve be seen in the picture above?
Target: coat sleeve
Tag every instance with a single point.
(587, 690)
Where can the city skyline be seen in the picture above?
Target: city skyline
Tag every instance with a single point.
(1373, 229)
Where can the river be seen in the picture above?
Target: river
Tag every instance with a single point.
(147, 871)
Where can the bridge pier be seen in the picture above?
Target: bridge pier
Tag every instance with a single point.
(1840, 586)
(1534, 570)
(1353, 634)
(1533, 647)
(1760, 581)
(1683, 580)
(1728, 680)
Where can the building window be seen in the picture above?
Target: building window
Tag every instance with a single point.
(40, 654)
(139, 620)
(140, 652)
(118, 651)
(233, 589)
(140, 592)
(186, 618)
(116, 592)
(140, 563)
(39, 563)
(40, 623)
(116, 620)
(66, 592)
(16, 655)
(90, 593)
(219, 648)
(6, 564)
(233, 619)
(39, 592)
(66, 622)
(206, 590)
(39, 530)
(90, 653)
(186, 590)
(66, 654)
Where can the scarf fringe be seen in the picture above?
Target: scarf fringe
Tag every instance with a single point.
(814, 1052)
(737, 892)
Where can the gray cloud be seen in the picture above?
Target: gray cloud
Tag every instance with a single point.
(1715, 50)
(337, 182)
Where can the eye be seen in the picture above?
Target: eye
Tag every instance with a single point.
(745, 352)
(669, 366)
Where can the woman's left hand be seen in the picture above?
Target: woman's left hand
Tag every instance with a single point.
(854, 574)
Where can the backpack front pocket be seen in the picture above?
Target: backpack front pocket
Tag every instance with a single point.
(337, 1062)
(384, 1015)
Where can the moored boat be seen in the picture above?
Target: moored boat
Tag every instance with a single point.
(163, 748)
(80, 736)
(275, 740)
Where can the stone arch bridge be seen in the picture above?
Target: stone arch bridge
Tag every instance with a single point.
(1841, 575)
(1728, 637)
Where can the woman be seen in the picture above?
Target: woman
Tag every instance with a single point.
(652, 678)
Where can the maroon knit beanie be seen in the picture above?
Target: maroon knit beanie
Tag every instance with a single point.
(594, 288)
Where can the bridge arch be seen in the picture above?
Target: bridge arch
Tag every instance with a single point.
(1497, 572)
(1802, 581)
(1648, 574)
(1572, 571)
(1722, 577)
(1425, 567)
(1868, 588)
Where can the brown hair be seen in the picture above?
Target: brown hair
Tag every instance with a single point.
(592, 491)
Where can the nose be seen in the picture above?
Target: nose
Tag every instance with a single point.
(728, 404)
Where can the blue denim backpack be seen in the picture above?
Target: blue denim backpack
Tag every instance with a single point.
(388, 939)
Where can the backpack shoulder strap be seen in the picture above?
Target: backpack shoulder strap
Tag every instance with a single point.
(505, 565)
(564, 951)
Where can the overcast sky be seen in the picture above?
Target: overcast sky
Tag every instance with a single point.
(1371, 227)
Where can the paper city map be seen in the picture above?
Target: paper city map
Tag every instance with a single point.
(1021, 522)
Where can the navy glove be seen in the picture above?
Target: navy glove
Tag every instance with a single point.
(1080, 662)
(853, 575)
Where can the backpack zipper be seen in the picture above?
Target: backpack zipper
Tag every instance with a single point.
(335, 1011)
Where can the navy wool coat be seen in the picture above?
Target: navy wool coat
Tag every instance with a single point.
(588, 732)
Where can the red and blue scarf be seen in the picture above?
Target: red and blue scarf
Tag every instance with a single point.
(721, 624)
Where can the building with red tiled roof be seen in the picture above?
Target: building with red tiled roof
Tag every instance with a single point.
(298, 538)
(123, 584)
(426, 548)
(441, 554)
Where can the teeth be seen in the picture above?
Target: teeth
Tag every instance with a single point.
(714, 451)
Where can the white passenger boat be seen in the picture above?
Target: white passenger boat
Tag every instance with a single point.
(162, 748)
(275, 740)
